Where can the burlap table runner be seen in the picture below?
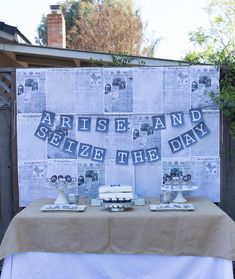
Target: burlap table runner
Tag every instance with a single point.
(207, 231)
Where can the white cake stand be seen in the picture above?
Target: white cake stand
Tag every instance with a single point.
(61, 186)
(179, 196)
(61, 198)
(117, 206)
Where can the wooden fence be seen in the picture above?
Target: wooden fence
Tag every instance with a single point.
(227, 196)
(8, 156)
(6, 132)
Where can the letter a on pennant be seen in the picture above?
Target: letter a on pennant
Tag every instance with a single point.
(47, 118)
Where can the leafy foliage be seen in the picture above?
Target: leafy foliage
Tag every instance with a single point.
(70, 10)
(41, 39)
(220, 37)
(122, 59)
(217, 46)
(106, 26)
(226, 99)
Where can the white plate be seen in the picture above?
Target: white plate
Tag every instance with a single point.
(63, 207)
(171, 207)
(176, 188)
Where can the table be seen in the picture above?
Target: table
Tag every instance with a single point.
(206, 233)
(41, 265)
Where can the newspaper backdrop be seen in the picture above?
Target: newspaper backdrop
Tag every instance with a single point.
(117, 126)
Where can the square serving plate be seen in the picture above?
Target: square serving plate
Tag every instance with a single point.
(172, 207)
(63, 207)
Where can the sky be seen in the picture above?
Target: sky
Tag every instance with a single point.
(171, 20)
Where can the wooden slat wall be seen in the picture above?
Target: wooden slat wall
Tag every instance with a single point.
(6, 169)
(227, 170)
(6, 194)
(14, 146)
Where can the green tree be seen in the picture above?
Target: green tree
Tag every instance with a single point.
(217, 46)
(41, 38)
(107, 26)
(70, 10)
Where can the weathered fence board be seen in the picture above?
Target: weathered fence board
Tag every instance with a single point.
(6, 170)
(227, 170)
(6, 201)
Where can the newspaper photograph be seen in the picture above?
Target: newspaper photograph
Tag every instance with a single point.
(32, 181)
(148, 85)
(61, 93)
(118, 90)
(206, 175)
(30, 90)
(176, 95)
(89, 90)
(203, 82)
(175, 167)
(176, 78)
(89, 177)
(143, 134)
(177, 176)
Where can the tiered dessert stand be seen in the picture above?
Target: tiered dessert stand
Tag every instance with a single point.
(178, 184)
(61, 184)
(116, 197)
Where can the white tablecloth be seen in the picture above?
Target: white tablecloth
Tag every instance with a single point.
(40, 265)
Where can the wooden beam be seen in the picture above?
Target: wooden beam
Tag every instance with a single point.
(65, 53)
(14, 147)
(7, 69)
(8, 59)
(46, 61)
(77, 62)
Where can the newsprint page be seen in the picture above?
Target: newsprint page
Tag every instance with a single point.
(114, 126)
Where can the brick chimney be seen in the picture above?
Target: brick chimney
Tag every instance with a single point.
(56, 27)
